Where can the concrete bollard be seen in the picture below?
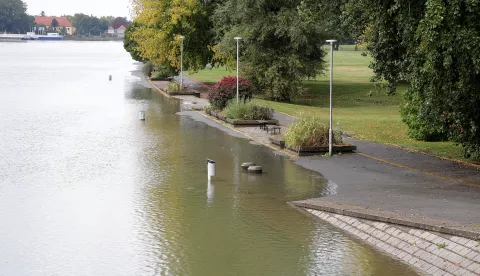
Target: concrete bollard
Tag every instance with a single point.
(247, 164)
(141, 115)
(255, 169)
(211, 168)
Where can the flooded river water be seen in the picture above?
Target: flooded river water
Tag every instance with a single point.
(88, 189)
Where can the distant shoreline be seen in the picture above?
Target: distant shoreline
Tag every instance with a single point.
(79, 38)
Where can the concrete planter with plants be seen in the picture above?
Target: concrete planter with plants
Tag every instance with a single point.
(307, 151)
(237, 122)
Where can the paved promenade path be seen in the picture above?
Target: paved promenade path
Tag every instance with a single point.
(393, 179)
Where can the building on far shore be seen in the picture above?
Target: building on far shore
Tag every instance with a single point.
(119, 32)
(62, 22)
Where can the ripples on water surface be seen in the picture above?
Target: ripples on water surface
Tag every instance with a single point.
(88, 189)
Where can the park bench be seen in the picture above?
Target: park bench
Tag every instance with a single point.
(263, 124)
(273, 129)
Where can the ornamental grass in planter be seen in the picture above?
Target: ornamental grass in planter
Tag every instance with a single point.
(247, 111)
(309, 132)
(173, 87)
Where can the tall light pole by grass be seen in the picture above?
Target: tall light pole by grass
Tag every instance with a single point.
(330, 131)
(238, 64)
(181, 63)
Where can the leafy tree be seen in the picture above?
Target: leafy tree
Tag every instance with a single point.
(63, 31)
(130, 44)
(88, 25)
(13, 16)
(54, 23)
(106, 21)
(282, 42)
(119, 21)
(434, 46)
(162, 22)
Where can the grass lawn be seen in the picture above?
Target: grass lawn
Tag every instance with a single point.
(360, 109)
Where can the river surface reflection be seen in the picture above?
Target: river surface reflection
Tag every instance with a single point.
(88, 189)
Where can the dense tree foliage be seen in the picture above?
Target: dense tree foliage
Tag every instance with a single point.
(13, 17)
(54, 23)
(89, 25)
(433, 45)
(281, 46)
(130, 44)
(161, 24)
(118, 22)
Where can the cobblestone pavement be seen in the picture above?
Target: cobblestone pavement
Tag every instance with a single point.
(431, 253)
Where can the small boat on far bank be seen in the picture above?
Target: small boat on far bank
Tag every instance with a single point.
(49, 36)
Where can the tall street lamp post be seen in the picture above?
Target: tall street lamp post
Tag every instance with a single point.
(330, 131)
(181, 63)
(238, 63)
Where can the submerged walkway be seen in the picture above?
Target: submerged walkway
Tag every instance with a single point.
(389, 178)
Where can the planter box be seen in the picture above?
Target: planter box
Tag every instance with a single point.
(160, 79)
(236, 122)
(184, 93)
(277, 142)
(306, 151)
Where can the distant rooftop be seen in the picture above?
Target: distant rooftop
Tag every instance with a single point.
(47, 21)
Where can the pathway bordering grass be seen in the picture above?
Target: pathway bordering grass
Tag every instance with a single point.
(360, 109)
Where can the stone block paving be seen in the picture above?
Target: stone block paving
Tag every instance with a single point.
(430, 252)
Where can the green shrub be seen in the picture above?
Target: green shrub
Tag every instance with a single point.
(247, 111)
(310, 132)
(226, 89)
(162, 71)
(173, 86)
(148, 69)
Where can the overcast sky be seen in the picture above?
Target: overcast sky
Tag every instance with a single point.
(96, 7)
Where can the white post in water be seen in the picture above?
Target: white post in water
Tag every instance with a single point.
(330, 131)
(238, 64)
(141, 115)
(211, 169)
(181, 63)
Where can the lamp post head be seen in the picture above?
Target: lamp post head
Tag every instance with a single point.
(331, 41)
(237, 38)
(182, 37)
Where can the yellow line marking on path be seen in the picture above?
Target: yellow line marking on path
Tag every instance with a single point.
(246, 135)
(420, 171)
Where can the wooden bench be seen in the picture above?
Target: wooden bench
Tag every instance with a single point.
(263, 124)
(273, 129)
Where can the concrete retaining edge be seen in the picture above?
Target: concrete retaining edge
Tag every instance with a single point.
(382, 216)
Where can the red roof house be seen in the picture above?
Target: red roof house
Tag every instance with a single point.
(62, 22)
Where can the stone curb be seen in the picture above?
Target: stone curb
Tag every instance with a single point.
(389, 217)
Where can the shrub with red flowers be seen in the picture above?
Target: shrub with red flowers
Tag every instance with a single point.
(226, 89)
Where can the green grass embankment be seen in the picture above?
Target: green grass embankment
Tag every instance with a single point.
(359, 108)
